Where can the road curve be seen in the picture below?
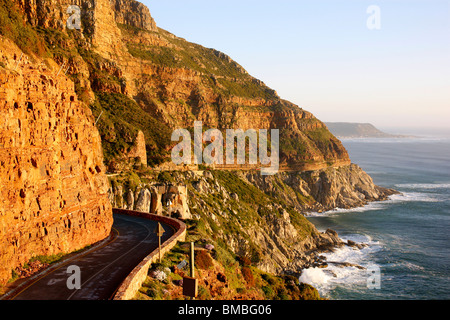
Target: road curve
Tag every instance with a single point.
(102, 269)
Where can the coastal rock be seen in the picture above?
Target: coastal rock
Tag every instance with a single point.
(321, 190)
(353, 244)
(346, 265)
(344, 187)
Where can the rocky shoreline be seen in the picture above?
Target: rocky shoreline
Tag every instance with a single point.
(320, 261)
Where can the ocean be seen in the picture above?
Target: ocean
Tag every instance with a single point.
(407, 236)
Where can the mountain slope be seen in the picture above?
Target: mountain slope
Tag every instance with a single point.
(357, 130)
(120, 56)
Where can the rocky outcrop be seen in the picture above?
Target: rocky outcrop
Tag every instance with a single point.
(322, 190)
(277, 239)
(134, 14)
(53, 190)
(344, 187)
(169, 200)
(263, 217)
(138, 151)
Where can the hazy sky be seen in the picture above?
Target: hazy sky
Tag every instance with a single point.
(322, 56)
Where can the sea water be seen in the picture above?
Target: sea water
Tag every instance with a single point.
(407, 236)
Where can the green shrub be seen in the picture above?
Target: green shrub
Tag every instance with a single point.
(268, 292)
(48, 259)
(14, 276)
(132, 181)
(308, 292)
(269, 278)
(203, 293)
(165, 177)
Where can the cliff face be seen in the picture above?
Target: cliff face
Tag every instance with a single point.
(322, 190)
(134, 14)
(120, 52)
(53, 191)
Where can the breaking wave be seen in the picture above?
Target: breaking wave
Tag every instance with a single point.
(373, 206)
(347, 267)
(423, 186)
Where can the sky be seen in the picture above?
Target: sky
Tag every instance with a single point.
(322, 55)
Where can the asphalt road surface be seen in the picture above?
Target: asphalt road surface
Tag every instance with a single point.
(103, 269)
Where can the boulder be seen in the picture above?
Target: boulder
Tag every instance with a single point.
(143, 202)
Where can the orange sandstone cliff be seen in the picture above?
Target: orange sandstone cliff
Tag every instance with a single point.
(53, 190)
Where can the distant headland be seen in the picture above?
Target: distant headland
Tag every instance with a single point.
(359, 130)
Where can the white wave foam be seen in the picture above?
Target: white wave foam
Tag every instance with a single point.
(424, 186)
(336, 275)
(397, 198)
(413, 267)
(315, 277)
(414, 197)
(369, 207)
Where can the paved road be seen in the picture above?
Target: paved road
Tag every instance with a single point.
(103, 269)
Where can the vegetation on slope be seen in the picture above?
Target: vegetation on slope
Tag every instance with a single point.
(120, 119)
(217, 67)
(223, 277)
(225, 208)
